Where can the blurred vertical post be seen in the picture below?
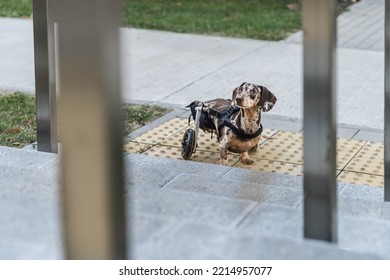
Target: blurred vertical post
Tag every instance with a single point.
(92, 175)
(45, 75)
(319, 48)
(387, 101)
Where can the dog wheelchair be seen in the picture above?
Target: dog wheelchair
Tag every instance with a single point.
(211, 116)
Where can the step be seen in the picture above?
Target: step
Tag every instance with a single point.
(26, 159)
(44, 181)
(156, 214)
(166, 197)
(278, 211)
(357, 232)
(30, 226)
(207, 242)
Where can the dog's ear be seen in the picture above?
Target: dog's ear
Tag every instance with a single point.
(267, 99)
(235, 92)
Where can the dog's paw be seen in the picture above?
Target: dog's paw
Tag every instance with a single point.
(247, 161)
(223, 161)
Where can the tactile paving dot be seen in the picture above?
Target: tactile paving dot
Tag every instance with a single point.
(346, 150)
(136, 148)
(368, 160)
(164, 151)
(206, 141)
(267, 134)
(161, 132)
(361, 179)
(278, 152)
(199, 156)
(283, 146)
(274, 167)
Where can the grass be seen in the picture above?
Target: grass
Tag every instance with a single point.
(136, 116)
(259, 19)
(18, 120)
(16, 8)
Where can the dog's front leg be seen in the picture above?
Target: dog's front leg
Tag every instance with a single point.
(223, 152)
(244, 157)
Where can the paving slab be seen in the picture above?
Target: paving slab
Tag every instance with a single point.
(31, 220)
(347, 133)
(145, 230)
(369, 136)
(158, 214)
(268, 219)
(18, 249)
(363, 192)
(208, 242)
(278, 67)
(282, 74)
(363, 235)
(16, 55)
(43, 182)
(183, 67)
(25, 159)
(364, 208)
(149, 171)
(175, 62)
(220, 211)
(282, 123)
(264, 178)
(236, 189)
(361, 27)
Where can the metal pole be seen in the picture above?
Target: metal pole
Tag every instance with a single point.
(45, 75)
(92, 175)
(320, 209)
(387, 101)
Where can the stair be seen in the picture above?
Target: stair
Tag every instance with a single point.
(247, 208)
(187, 210)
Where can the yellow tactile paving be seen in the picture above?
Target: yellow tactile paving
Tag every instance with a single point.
(280, 152)
(136, 147)
(200, 156)
(268, 134)
(274, 167)
(206, 142)
(346, 150)
(283, 146)
(369, 160)
(360, 178)
(163, 131)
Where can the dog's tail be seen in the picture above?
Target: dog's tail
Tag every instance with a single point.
(193, 104)
(192, 107)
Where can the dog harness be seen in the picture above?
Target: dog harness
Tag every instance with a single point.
(223, 119)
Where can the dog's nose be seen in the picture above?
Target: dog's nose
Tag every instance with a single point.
(239, 99)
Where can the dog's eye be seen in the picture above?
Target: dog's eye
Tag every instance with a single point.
(252, 94)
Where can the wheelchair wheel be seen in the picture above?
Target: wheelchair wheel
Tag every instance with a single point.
(188, 143)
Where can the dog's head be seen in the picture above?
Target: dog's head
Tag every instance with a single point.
(249, 95)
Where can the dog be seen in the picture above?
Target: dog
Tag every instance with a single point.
(241, 130)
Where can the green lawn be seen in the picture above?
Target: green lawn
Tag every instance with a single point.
(136, 116)
(15, 8)
(260, 19)
(18, 120)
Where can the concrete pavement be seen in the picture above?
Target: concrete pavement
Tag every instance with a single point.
(189, 210)
(174, 69)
